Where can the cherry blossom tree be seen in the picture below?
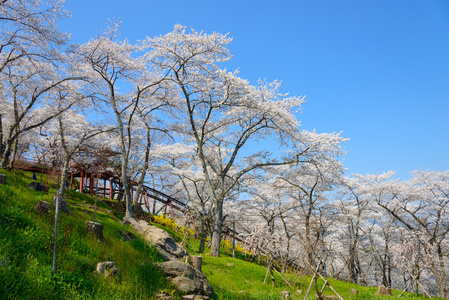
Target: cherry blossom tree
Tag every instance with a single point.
(414, 255)
(310, 186)
(35, 93)
(111, 64)
(422, 205)
(29, 66)
(365, 229)
(29, 30)
(221, 113)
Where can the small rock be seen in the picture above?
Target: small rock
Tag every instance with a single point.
(241, 292)
(285, 294)
(37, 186)
(246, 281)
(95, 228)
(354, 292)
(127, 236)
(3, 262)
(2, 178)
(230, 264)
(298, 292)
(42, 207)
(62, 204)
(111, 272)
(201, 297)
(163, 297)
(107, 268)
(195, 297)
(381, 290)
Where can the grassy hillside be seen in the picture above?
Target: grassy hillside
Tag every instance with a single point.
(26, 256)
(26, 248)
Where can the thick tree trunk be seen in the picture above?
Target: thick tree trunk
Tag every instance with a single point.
(13, 154)
(442, 279)
(6, 155)
(218, 225)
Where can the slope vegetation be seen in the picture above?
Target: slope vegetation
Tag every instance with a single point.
(26, 250)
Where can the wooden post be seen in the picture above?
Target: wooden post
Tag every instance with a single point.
(110, 188)
(91, 184)
(171, 210)
(197, 262)
(233, 239)
(81, 181)
(55, 240)
(95, 228)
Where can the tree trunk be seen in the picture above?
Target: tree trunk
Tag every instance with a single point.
(13, 154)
(441, 275)
(1, 137)
(202, 238)
(218, 224)
(6, 155)
(63, 178)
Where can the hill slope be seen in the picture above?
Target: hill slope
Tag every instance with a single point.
(26, 256)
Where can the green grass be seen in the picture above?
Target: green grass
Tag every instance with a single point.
(26, 244)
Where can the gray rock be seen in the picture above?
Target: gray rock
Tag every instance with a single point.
(42, 207)
(195, 297)
(107, 268)
(163, 297)
(164, 243)
(37, 186)
(127, 236)
(187, 279)
(62, 204)
(2, 178)
(3, 262)
(96, 229)
(285, 294)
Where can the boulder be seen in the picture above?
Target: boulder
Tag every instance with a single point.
(62, 204)
(164, 243)
(95, 228)
(186, 278)
(42, 207)
(37, 186)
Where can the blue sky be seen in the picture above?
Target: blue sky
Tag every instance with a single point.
(378, 70)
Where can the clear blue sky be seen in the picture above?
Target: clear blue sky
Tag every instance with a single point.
(378, 70)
